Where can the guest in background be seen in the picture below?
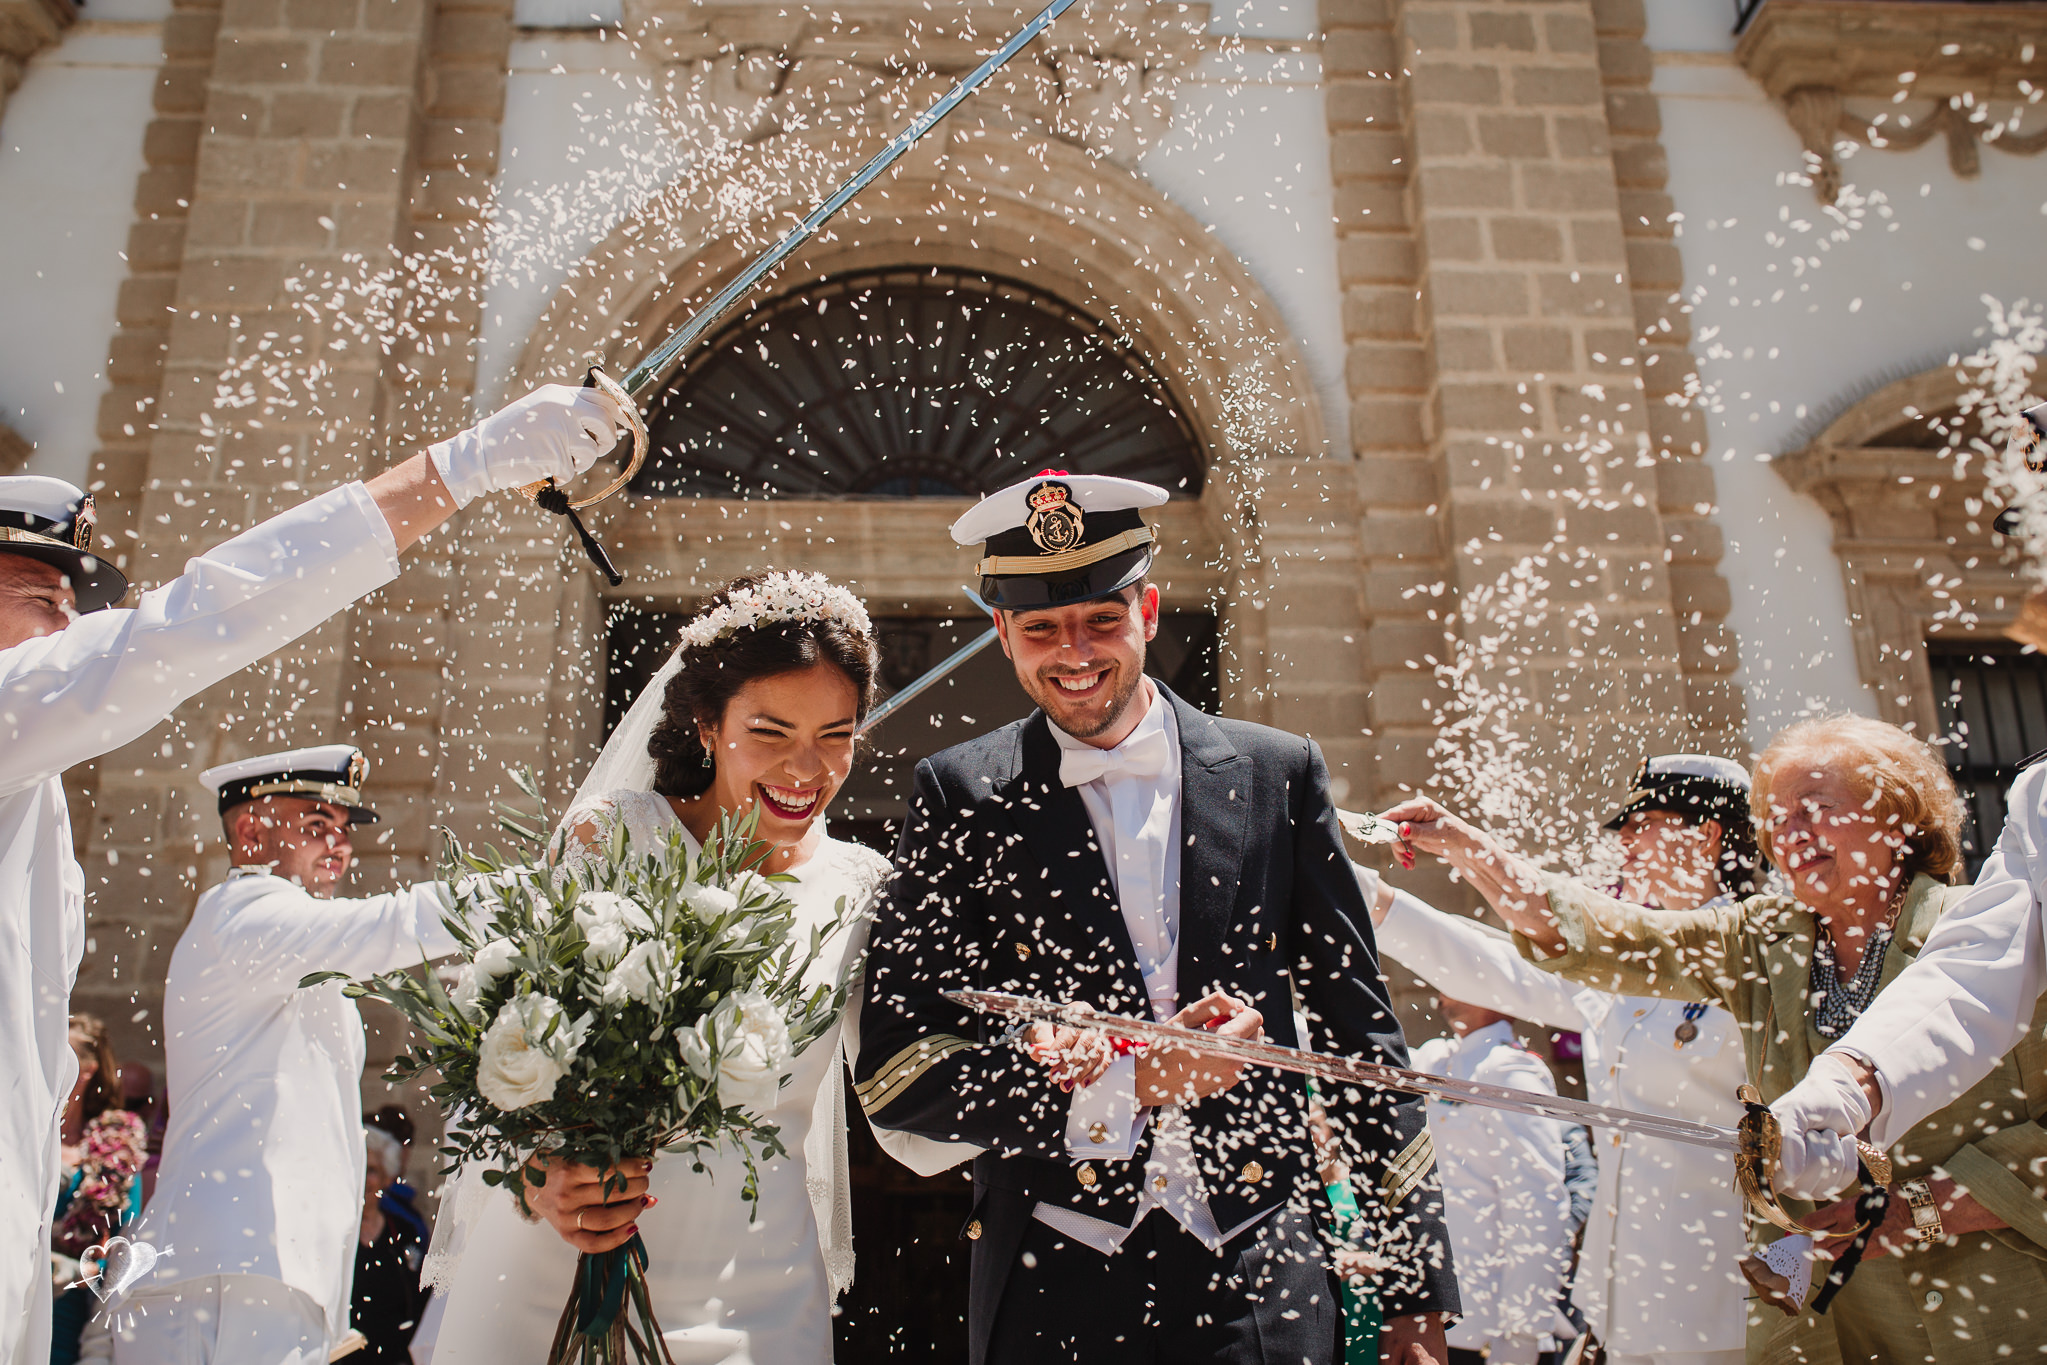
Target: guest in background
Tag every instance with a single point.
(100, 1189)
(138, 1097)
(1503, 1192)
(399, 1197)
(1656, 1278)
(386, 1301)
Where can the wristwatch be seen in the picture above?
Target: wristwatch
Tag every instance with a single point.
(1926, 1229)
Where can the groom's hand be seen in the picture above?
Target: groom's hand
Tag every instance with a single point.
(1169, 1074)
(587, 1206)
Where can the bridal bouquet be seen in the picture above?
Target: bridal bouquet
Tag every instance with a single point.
(614, 1001)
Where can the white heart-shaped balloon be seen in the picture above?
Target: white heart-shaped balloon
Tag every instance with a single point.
(121, 1263)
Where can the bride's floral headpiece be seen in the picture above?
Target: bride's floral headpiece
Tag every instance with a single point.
(779, 596)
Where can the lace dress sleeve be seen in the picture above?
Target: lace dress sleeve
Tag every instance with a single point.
(646, 816)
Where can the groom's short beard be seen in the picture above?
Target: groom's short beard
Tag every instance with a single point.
(1119, 703)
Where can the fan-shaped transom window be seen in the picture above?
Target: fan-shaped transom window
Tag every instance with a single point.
(913, 383)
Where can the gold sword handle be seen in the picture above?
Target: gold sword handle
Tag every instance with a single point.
(1762, 1143)
(612, 389)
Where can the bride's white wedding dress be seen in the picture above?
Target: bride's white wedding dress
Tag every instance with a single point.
(730, 1284)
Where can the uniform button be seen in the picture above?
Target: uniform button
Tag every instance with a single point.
(1098, 1132)
(1934, 1299)
(1086, 1176)
(1252, 1173)
(1158, 1182)
(1023, 952)
(974, 1231)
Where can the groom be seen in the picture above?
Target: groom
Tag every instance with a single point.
(1122, 849)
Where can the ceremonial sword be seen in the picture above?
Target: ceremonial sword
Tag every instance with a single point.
(647, 377)
(1753, 1144)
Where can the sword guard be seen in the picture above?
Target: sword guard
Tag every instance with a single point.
(1761, 1143)
(597, 379)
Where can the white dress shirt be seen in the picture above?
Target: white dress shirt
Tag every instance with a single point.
(1503, 1192)
(262, 1169)
(1132, 795)
(1658, 1271)
(73, 696)
(1967, 999)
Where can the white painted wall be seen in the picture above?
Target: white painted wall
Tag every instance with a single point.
(1248, 155)
(70, 149)
(1901, 294)
(566, 146)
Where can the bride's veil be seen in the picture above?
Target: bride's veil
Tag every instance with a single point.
(625, 764)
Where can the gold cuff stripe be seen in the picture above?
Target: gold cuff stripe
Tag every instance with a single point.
(901, 1071)
(1067, 559)
(330, 792)
(1408, 1169)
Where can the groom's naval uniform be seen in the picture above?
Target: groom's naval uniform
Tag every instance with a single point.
(1198, 854)
(260, 1193)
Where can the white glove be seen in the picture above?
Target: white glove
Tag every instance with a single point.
(555, 432)
(1820, 1117)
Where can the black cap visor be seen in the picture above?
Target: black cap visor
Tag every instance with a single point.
(1032, 592)
(95, 583)
(1695, 798)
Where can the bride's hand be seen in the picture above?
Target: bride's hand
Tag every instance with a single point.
(588, 1217)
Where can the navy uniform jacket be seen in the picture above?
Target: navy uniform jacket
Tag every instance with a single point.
(1001, 885)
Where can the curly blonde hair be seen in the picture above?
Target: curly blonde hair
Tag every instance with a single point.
(1904, 780)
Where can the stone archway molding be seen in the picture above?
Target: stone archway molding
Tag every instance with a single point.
(1917, 562)
(1038, 210)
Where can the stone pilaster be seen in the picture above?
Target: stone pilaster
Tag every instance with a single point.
(300, 185)
(1535, 410)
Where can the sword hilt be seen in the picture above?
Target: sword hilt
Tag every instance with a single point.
(597, 379)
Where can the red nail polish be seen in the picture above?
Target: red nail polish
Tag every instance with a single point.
(651, 1201)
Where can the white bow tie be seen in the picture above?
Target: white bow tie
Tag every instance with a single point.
(1147, 756)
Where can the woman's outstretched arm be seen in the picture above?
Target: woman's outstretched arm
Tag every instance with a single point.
(1510, 883)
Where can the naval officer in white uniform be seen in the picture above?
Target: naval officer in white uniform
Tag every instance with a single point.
(1657, 1278)
(259, 1197)
(80, 678)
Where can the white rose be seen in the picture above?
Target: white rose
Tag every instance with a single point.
(752, 885)
(478, 974)
(514, 1067)
(709, 902)
(641, 975)
(608, 921)
(754, 1051)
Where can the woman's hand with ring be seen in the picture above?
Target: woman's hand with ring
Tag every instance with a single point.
(591, 1210)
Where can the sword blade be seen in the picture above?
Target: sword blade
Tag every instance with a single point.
(650, 374)
(1353, 1070)
(950, 662)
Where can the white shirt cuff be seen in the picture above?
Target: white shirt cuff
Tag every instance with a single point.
(1104, 1120)
(1880, 1125)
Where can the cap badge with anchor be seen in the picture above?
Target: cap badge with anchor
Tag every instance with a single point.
(1058, 538)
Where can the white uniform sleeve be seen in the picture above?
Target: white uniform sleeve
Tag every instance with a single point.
(112, 675)
(1955, 1012)
(1477, 964)
(1533, 1206)
(273, 940)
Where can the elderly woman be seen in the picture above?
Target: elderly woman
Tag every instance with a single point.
(1865, 822)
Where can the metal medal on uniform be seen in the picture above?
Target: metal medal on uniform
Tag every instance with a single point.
(1054, 523)
(1688, 1030)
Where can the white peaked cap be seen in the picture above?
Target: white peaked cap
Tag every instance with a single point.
(1007, 508)
(39, 495)
(1698, 765)
(333, 758)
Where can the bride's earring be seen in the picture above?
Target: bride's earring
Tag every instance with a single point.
(707, 758)
(707, 750)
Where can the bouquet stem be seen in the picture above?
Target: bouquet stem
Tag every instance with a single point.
(609, 1318)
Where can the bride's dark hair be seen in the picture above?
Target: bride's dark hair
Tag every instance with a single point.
(711, 675)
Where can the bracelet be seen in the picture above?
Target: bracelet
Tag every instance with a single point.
(1926, 1227)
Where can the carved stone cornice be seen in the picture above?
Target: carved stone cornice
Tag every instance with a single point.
(1810, 55)
(26, 28)
(1102, 80)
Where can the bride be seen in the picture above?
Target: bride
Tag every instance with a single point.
(755, 711)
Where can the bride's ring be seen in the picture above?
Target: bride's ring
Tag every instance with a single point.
(579, 1219)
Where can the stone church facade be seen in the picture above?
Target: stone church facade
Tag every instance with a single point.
(1511, 369)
